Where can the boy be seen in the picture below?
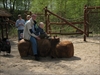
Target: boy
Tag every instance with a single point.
(40, 32)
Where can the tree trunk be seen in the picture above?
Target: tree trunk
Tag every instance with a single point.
(4, 3)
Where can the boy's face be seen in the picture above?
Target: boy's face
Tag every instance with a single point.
(42, 26)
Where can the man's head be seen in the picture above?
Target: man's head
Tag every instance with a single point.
(34, 16)
(28, 17)
(19, 16)
(41, 25)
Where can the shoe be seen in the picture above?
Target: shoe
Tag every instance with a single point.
(37, 58)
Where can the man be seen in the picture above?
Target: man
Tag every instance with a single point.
(20, 25)
(28, 34)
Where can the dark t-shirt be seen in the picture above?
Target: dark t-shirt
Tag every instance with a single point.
(39, 31)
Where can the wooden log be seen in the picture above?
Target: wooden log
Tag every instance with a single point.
(44, 47)
(65, 49)
(24, 48)
(53, 41)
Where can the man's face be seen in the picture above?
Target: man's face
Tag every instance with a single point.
(20, 17)
(34, 17)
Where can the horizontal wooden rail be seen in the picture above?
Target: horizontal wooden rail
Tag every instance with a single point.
(63, 23)
(93, 7)
(66, 33)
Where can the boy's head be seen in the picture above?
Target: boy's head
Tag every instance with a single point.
(41, 25)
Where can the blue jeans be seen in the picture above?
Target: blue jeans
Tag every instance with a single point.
(19, 34)
(34, 45)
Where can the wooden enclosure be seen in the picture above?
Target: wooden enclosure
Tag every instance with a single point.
(85, 22)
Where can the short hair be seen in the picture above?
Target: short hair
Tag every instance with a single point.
(19, 15)
(41, 23)
(34, 15)
(28, 16)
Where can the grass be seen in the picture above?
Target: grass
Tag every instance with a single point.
(13, 32)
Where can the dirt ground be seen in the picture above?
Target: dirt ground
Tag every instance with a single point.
(86, 60)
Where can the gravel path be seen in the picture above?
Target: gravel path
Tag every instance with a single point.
(86, 60)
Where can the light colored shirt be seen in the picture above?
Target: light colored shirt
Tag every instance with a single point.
(20, 24)
(28, 25)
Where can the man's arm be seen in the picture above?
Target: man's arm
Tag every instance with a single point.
(31, 32)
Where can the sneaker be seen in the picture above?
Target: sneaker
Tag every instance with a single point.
(37, 58)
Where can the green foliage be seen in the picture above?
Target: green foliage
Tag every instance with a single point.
(72, 10)
(62, 29)
(13, 32)
(94, 22)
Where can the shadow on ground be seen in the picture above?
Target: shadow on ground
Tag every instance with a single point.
(6, 55)
(49, 59)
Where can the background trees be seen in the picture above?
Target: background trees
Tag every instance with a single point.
(72, 10)
(15, 4)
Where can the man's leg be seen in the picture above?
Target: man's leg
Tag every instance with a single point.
(34, 47)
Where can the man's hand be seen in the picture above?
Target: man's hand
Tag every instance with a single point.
(21, 24)
(37, 38)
